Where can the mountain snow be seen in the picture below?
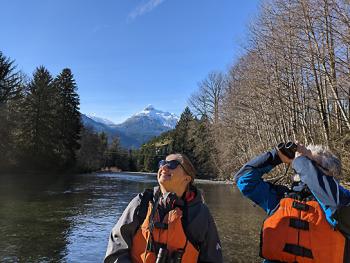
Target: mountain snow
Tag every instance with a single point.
(136, 130)
(100, 120)
(164, 118)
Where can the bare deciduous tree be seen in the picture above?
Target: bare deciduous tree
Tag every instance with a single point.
(293, 83)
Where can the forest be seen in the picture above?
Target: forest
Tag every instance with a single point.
(291, 83)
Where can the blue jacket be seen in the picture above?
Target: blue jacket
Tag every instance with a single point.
(327, 191)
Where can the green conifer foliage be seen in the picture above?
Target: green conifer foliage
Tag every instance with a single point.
(132, 161)
(38, 138)
(90, 156)
(10, 93)
(182, 142)
(68, 122)
(204, 148)
(192, 137)
(10, 80)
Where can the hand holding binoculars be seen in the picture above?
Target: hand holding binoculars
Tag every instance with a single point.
(288, 149)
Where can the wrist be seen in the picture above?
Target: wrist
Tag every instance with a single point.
(274, 158)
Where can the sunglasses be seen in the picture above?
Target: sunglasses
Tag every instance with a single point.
(171, 164)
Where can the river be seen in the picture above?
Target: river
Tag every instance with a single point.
(68, 219)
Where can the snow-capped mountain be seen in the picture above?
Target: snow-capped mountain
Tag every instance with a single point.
(165, 118)
(100, 120)
(137, 129)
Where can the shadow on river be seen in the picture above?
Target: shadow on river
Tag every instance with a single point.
(69, 219)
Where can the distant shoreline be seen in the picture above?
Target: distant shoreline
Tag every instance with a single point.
(199, 181)
(203, 181)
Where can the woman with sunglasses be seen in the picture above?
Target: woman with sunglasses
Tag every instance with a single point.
(169, 223)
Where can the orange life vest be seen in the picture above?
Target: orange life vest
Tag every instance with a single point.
(169, 233)
(299, 232)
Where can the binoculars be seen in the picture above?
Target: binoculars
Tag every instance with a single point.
(164, 257)
(288, 149)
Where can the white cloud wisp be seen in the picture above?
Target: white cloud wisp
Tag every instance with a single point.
(144, 8)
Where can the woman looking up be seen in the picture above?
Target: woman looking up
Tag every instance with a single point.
(169, 223)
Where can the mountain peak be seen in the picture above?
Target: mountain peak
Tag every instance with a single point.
(166, 119)
(137, 129)
(149, 108)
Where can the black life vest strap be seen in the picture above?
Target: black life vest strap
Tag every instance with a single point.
(298, 250)
(299, 224)
(161, 225)
(303, 196)
(147, 197)
(150, 241)
(300, 206)
(185, 223)
(156, 246)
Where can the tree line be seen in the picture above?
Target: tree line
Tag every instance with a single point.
(292, 83)
(191, 136)
(41, 129)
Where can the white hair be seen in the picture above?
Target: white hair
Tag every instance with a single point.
(329, 163)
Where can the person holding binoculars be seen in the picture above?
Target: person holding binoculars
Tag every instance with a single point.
(167, 224)
(308, 221)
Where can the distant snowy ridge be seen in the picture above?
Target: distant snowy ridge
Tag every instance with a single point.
(100, 120)
(136, 130)
(167, 119)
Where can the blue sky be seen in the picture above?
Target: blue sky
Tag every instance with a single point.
(126, 54)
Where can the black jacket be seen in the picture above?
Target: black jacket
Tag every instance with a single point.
(200, 229)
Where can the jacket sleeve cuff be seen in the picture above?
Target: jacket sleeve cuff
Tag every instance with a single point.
(274, 159)
(303, 166)
(270, 158)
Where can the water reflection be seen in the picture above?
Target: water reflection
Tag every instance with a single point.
(69, 219)
(238, 222)
(33, 225)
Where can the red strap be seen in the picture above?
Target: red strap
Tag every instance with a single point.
(190, 195)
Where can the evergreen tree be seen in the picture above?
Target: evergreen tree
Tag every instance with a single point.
(90, 156)
(204, 148)
(10, 80)
(68, 117)
(102, 149)
(38, 138)
(132, 161)
(182, 141)
(122, 161)
(113, 151)
(150, 157)
(150, 153)
(191, 136)
(10, 94)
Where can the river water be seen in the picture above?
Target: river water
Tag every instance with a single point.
(68, 219)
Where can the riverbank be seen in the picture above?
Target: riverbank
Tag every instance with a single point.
(200, 181)
(197, 181)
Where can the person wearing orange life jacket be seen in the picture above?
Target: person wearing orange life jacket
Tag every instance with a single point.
(169, 222)
(308, 222)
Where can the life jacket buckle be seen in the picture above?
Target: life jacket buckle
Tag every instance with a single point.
(298, 250)
(300, 206)
(299, 224)
(161, 225)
